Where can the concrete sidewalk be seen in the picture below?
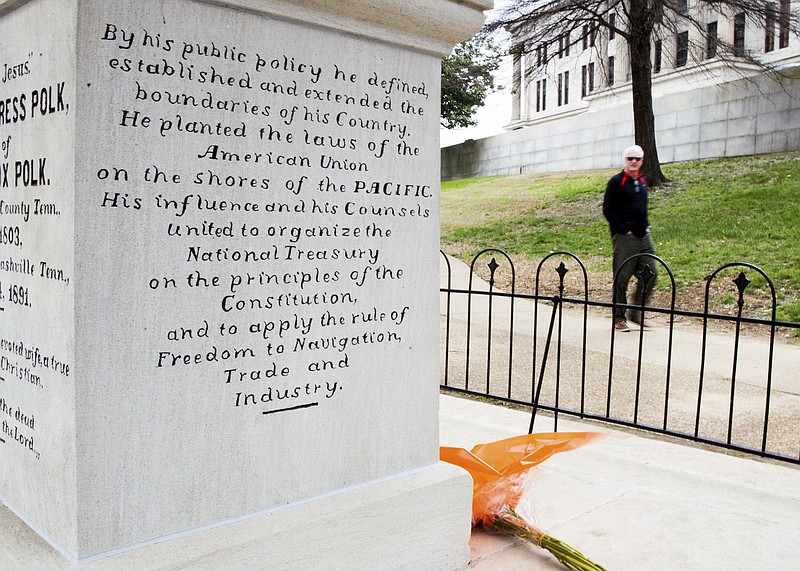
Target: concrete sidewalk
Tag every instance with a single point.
(633, 503)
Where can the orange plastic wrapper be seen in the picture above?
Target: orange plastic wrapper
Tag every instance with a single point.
(498, 469)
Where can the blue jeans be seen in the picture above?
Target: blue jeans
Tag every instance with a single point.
(625, 246)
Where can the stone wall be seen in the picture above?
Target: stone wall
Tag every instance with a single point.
(743, 117)
(219, 250)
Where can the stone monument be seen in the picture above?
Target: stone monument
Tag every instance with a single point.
(218, 285)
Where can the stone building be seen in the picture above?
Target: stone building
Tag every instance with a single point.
(572, 96)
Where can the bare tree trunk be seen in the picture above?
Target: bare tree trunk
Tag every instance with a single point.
(639, 45)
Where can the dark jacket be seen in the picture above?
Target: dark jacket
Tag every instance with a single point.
(625, 204)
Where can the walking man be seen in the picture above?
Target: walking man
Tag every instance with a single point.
(625, 208)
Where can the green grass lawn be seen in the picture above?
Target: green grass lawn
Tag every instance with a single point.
(712, 213)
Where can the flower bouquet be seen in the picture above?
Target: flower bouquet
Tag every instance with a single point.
(500, 471)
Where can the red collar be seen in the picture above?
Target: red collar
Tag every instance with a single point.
(625, 177)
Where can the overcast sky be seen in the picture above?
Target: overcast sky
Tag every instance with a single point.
(492, 116)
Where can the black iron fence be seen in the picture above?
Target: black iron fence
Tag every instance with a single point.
(725, 377)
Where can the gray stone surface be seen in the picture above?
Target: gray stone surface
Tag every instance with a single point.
(411, 521)
(232, 300)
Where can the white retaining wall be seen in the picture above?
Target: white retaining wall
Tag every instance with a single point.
(742, 117)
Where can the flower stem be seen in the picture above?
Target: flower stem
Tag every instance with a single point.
(508, 521)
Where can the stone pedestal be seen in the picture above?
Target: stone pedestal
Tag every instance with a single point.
(218, 269)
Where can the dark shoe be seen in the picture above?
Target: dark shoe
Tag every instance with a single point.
(622, 326)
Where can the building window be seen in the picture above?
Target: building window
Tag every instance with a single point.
(541, 55)
(783, 33)
(587, 79)
(612, 23)
(657, 57)
(541, 95)
(585, 37)
(563, 88)
(682, 49)
(738, 34)
(711, 40)
(593, 36)
(610, 71)
(770, 16)
(584, 82)
(563, 45)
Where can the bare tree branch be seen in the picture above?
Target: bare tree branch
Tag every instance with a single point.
(545, 29)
